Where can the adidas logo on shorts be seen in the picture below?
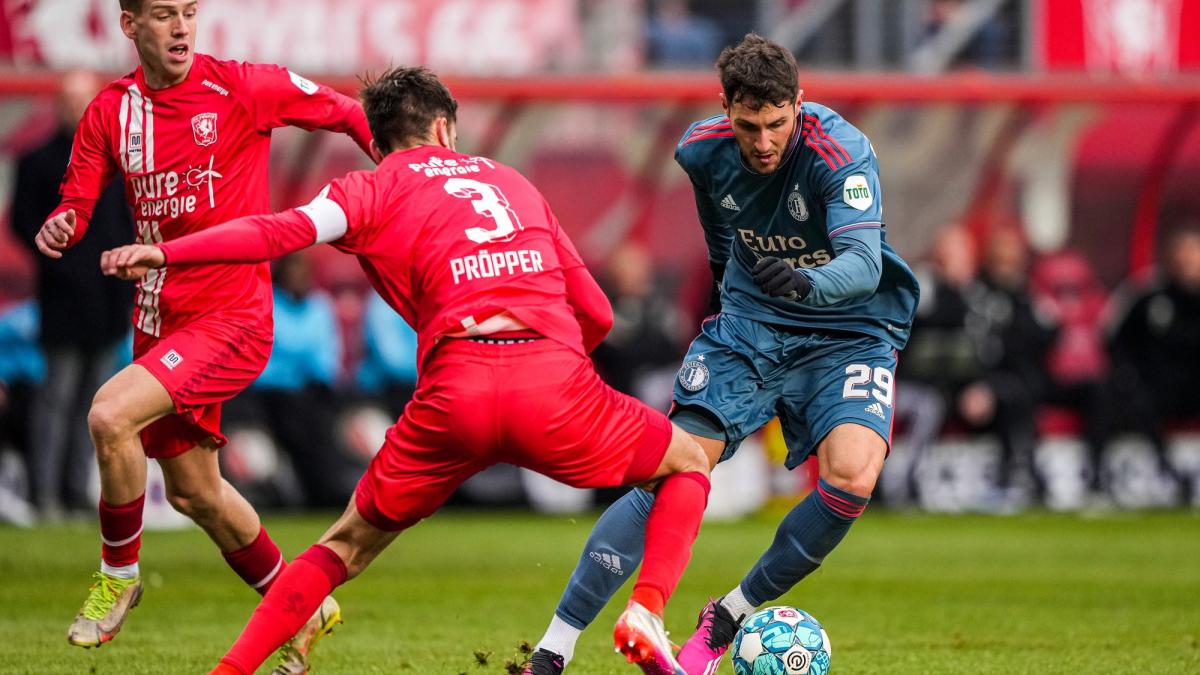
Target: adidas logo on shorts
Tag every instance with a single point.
(875, 409)
(609, 562)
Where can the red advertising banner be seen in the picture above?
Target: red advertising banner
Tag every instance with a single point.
(1135, 38)
(469, 37)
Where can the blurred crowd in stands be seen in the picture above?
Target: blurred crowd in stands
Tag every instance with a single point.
(1021, 346)
(931, 35)
(1008, 344)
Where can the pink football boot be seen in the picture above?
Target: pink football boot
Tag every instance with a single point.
(701, 654)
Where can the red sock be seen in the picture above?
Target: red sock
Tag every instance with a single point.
(121, 532)
(671, 528)
(258, 564)
(294, 596)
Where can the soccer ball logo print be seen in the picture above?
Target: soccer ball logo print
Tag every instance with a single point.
(797, 660)
(204, 129)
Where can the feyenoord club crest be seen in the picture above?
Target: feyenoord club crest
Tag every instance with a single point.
(204, 129)
(693, 376)
(796, 205)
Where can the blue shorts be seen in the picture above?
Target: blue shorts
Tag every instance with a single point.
(745, 372)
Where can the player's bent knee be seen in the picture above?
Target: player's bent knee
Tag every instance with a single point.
(106, 423)
(851, 458)
(862, 485)
(857, 478)
(686, 455)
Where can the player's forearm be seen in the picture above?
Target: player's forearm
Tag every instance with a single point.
(346, 116)
(83, 215)
(854, 271)
(250, 239)
(592, 309)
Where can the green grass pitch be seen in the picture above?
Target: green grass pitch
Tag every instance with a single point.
(921, 594)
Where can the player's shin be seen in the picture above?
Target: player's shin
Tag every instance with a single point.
(671, 527)
(121, 534)
(611, 555)
(259, 564)
(117, 587)
(805, 536)
(293, 598)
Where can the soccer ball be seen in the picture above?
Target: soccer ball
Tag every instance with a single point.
(781, 641)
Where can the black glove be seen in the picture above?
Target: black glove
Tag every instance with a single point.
(714, 294)
(777, 279)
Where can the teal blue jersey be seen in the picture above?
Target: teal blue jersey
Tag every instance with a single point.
(827, 185)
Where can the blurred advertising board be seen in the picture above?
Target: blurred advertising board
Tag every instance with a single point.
(473, 37)
(1136, 38)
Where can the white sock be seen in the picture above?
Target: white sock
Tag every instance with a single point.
(560, 638)
(737, 604)
(123, 572)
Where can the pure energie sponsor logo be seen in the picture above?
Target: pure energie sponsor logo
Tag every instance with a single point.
(170, 194)
(436, 166)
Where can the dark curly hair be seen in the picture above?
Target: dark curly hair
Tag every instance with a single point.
(757, 72)
(401, 104)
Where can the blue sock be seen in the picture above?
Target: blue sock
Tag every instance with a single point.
(611, 555)
(807, 534)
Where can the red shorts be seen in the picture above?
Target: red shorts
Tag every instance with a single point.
(201, 364)
(538, 405)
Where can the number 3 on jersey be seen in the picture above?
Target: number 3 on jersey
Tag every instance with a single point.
(489, 202)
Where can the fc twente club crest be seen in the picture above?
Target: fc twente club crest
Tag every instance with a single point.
(204, 129)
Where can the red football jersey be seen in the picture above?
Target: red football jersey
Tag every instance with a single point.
(193, 155)
(453, 242)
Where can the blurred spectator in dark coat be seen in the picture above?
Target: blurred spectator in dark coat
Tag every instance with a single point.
(1012, 339)
(940, 358)
(83, 313)
(677, 38)
(641, 354)
(1156, 347)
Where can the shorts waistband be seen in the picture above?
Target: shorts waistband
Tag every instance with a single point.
(503, 341)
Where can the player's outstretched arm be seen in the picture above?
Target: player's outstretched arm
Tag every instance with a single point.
(91, 169)
(252, 239)
(56, 234)
(280, 98)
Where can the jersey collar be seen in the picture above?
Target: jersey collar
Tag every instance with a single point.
(139, 76)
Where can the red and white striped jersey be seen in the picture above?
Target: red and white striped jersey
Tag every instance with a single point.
(194, 155)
